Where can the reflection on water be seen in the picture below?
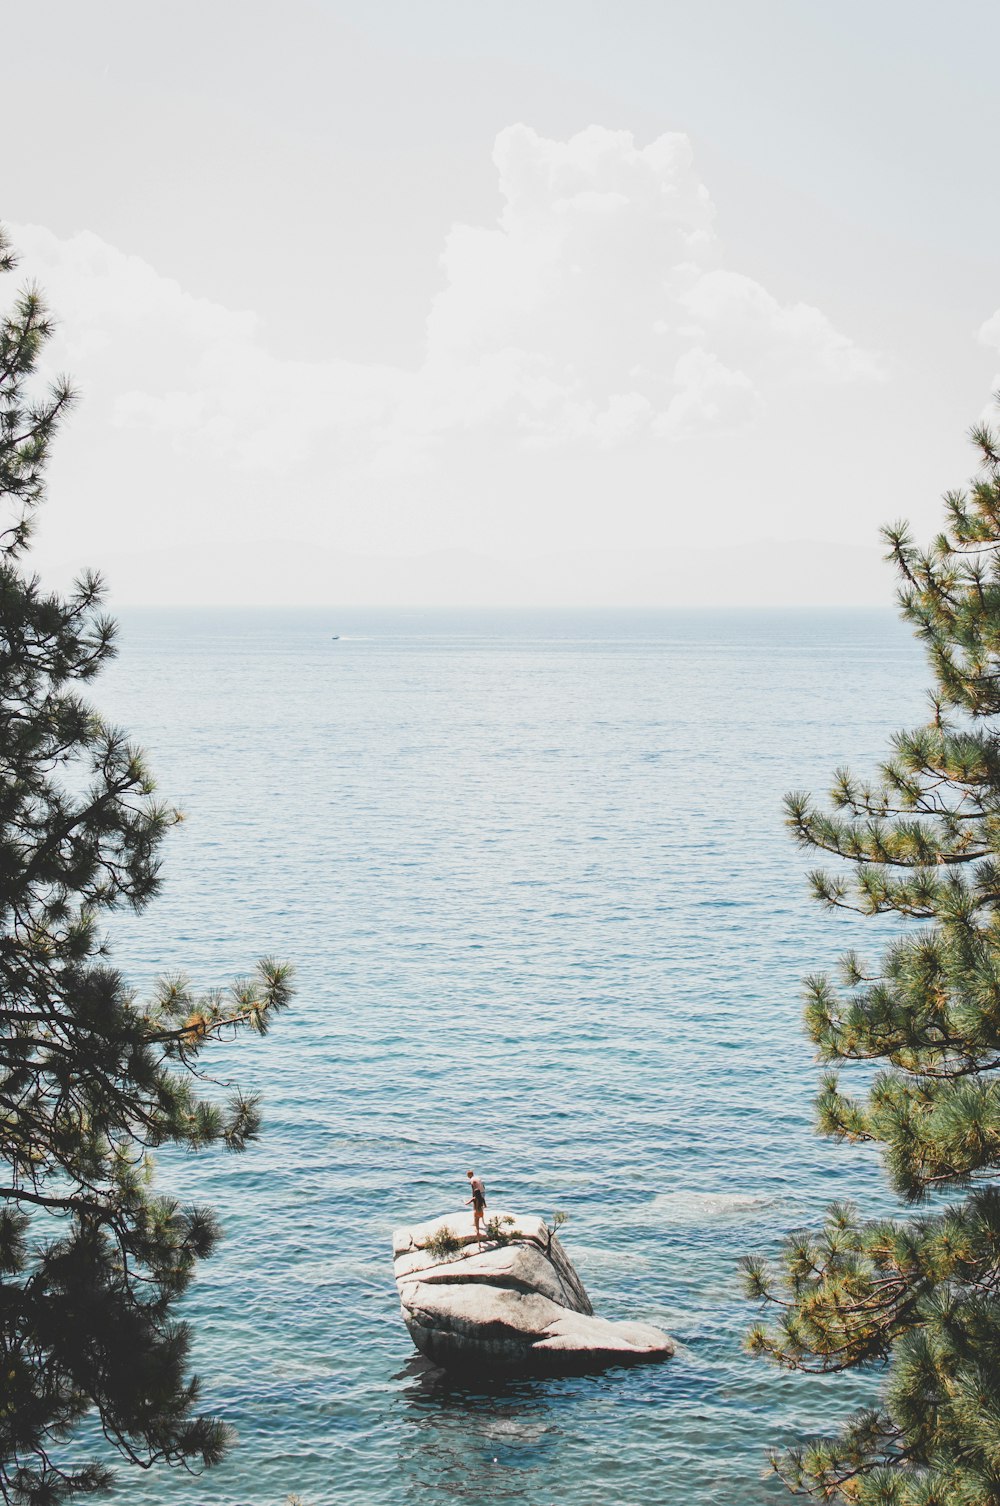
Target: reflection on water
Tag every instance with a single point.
(475, 1441)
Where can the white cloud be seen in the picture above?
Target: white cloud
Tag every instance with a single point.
(709, 397)
(189, 367)
(598, 311)
(989, 332)
(602, 288)
(746, 323)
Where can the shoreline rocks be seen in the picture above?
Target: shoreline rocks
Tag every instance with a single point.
(516, 1304)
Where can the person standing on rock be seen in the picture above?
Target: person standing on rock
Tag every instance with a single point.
(478, 1201)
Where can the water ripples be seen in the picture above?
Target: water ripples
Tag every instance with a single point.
(545, 920)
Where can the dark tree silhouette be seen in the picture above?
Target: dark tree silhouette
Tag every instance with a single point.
(92, 1080)
(920, 1297)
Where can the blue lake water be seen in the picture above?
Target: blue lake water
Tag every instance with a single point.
(546, 921)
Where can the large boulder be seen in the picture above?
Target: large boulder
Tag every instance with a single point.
(514, 1303)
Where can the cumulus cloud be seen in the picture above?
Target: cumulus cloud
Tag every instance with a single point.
(989, 332)
(603, 296)
(598, 310)
(708, 397)
(193, 369)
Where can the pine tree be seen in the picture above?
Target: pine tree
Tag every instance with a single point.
(917, 1298)
(92, 1080)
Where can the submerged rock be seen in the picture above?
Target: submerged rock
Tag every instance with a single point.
(513, 1304)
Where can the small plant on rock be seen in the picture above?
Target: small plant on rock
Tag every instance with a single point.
(558, 1219)
(444, 1243)
(497, 1229)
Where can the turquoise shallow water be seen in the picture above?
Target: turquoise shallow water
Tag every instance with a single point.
(532, 873)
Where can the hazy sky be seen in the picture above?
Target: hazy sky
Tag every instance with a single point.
(413, 300)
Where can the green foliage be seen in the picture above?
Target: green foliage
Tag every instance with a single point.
(919, 1298)
(443, 1244)
(551, 1230)
(92, 1079)
(497, 1229)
